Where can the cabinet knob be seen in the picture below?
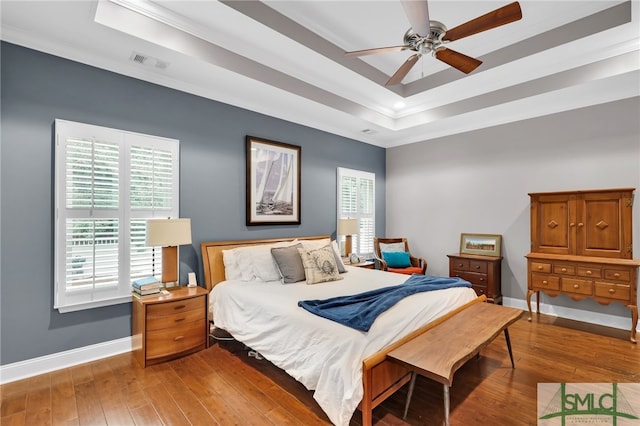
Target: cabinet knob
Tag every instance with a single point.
(588, 272)
(580, 225)
(617, 275)
(540, 267)
(545, 282)
(612, 290)
(564, 269)
(572, 224)
(576, 286)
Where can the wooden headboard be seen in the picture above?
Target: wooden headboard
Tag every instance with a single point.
(212, 255)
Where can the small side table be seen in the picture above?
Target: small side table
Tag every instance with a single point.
(169, 326)
(367, 264)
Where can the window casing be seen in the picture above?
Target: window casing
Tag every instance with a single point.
(356, 200)
(107, 184)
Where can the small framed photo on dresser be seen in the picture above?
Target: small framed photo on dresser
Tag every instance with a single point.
(482, 244)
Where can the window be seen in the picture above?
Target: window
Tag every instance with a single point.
(356, 200)
(108, 183)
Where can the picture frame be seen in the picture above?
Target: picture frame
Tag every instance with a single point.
(272, 182)
(481, 244)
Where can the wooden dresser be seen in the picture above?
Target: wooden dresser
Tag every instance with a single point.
(483, 272)
(581, 246)
(169, 326)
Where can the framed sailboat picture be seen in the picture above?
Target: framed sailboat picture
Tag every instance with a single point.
(273, 182)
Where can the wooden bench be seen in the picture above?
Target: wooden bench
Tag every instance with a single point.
(439, 352)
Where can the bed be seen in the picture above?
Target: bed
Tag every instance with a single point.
(344, 367)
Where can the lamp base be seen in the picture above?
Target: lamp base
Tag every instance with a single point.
(347, 245)
(170, 266)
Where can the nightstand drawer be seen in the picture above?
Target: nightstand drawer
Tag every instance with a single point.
(460, 264)
(173, 340)
(162, 309)
(478, 266)
(548, 282)
(480, 290)
(475, 279)
(155, 323)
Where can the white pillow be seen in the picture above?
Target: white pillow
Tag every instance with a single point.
(256, 262)
(394, 247)
(231, 268)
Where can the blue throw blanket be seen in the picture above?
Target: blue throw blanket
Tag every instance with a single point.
(359, 311)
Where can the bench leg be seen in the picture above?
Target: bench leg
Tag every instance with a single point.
(506, 337)
(412, 383)
(446, 405)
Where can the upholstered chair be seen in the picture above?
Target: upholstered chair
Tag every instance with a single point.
(393, 255)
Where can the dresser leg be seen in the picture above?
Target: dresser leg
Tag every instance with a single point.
(446, 405)
(634, 321)
(529, 294)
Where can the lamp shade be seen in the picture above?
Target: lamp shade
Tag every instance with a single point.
(348, 226)
(168, 232)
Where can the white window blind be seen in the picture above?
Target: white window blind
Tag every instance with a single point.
(108, 183)
(356, 200)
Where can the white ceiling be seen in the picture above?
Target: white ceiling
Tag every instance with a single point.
(286, 58)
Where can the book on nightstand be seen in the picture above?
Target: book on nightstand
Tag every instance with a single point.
(147, 283)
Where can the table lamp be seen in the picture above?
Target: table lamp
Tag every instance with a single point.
(169, 234)
(348, 227)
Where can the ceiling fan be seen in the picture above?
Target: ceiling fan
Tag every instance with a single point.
(427, 36)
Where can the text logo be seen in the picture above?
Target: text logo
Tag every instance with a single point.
(588, 404)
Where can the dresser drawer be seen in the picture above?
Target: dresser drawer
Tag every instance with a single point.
(475, 279)
(460, 264)
(564, 269)
(617, 274)
(156, 323)
(541, 267)
(173, 340)
(162, 309)
(573, 285)
(480, 290)
(589, 272)
(613, 291)
(478, 266)
(542, 282)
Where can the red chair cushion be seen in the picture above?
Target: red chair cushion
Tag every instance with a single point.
(410, 270)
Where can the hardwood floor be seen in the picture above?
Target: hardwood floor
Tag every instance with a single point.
(222, 385)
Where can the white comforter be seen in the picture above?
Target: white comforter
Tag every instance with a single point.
(323, 355)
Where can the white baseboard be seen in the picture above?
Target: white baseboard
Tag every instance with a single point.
(44, 364)
(606, 320)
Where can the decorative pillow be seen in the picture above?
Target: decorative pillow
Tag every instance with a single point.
(320, 265)
(396, 259)
(339, 262)
(289, 263)
(391, 247)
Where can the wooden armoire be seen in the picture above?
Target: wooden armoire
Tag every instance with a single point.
(581, 246)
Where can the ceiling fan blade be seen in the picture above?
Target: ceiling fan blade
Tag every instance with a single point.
(403, 70)
(376, 50)
(504, 15)
(461, 62)
(418, 15)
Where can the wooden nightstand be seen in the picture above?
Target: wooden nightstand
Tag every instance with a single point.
(169, 326)
(483, 272)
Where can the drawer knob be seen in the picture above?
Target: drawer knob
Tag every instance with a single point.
(460, 265)
(179, 319)
(178, 338)
(572, 224)
(179, 307)
(588, 272)
(580, 225)
(540, 267)
(612, 290)
(576, 286)
(477, 266)
(564, 269)
(617, 275)
(481, 278)
(545, 282)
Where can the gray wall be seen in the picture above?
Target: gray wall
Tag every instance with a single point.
(478, 182)
(38, 88)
